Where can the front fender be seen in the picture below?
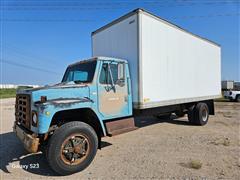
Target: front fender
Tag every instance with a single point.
(48, 109)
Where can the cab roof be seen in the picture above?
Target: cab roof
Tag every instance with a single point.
(98, 58)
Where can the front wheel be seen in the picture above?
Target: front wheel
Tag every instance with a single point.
(72, 148)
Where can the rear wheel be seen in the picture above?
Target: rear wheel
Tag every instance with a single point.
(199, 114)
(191, 117)
(72, 148)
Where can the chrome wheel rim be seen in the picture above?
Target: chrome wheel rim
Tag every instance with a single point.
(204, 114)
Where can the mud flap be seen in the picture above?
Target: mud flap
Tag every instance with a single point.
(120, 126)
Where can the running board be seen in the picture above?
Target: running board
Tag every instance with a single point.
(120, 126)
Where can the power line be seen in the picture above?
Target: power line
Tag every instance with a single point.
(25, 54)
(92, 21)
(110, 2)
(28, 67)
(208, 16)
(72, 5)
(77, 3)
(46, 20)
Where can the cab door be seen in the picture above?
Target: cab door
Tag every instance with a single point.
(112, 90)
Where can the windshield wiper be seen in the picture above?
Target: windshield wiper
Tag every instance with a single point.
(80, 82)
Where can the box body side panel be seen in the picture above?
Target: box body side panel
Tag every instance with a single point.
(167, 65)
(176, 65)
(120, 41)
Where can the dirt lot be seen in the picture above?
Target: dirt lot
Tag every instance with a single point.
(160, 149)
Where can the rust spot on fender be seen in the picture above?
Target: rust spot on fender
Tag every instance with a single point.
(64, 102)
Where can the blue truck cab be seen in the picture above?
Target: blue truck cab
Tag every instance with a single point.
(68, 119)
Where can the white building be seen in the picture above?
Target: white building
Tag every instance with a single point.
(10, 86)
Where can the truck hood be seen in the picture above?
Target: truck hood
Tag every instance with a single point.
(62, 91)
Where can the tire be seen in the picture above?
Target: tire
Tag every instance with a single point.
(199, 114)
(191, 116)
(238, 98)
(72, 148)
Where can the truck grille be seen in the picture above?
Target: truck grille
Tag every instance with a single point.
(22, 110)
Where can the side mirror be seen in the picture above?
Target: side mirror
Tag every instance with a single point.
(120, 71)
(121, 74)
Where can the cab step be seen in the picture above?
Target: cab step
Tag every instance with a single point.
(120, 126)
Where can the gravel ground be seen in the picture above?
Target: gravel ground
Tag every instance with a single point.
(160, 149)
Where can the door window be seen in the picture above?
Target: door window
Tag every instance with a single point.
(105, 75)
(115, 70)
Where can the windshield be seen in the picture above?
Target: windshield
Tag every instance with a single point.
(82, 72)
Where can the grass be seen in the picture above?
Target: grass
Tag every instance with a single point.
(221, 99)
(223, 123)
(193, 164)
(7, 93)
(224, 142)
(10, 93)
(227, 115)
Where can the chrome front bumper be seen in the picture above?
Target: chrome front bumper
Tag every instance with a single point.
(30, 142)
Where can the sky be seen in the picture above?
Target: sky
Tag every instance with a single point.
(40, 38)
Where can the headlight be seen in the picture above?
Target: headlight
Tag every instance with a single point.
(34, 118)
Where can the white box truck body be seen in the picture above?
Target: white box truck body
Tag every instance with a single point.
(227, 85)
(168, 65)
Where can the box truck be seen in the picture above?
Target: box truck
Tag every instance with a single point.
(142, 65)
(231, 90)
(227, 85)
